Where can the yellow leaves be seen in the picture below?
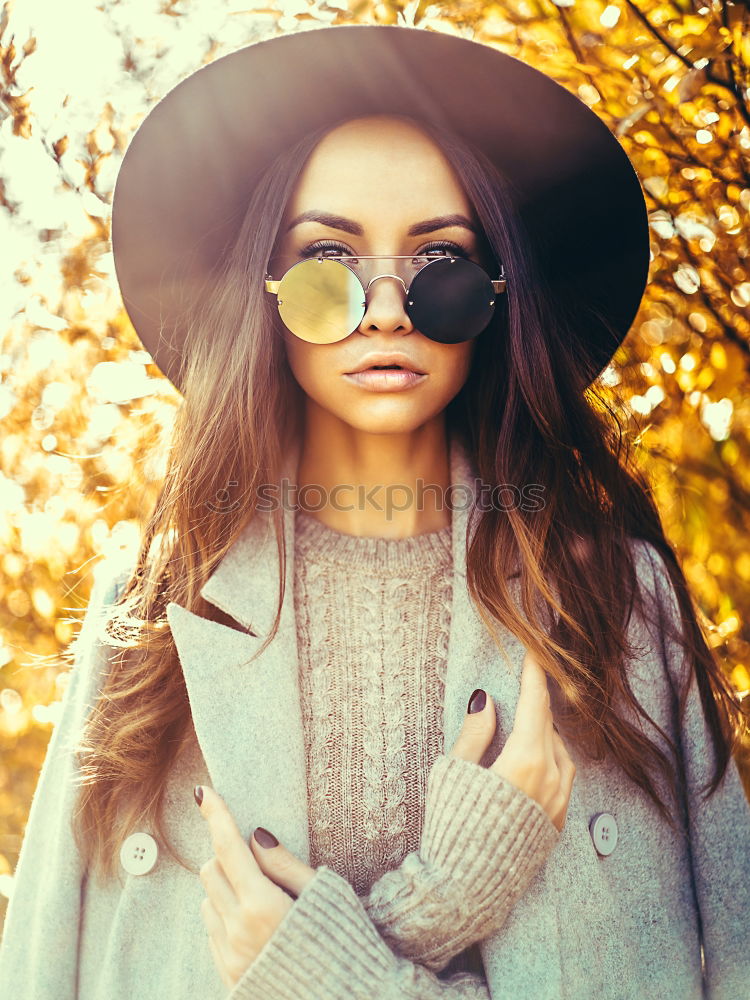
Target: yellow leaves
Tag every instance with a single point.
(495, 25)
(646, 138)
(740, 677)
(18, 106)
(43, 603)
(729, 626)
(742, 566)
(586, 68)
(729, 218)
(77, 265)
(743, 47)
(656, 161)
(689, 25)
(725, 377)
(59, 147)
(589, 94)
(18, 603)
(690, 85)
(718, 356)
(63, 633)
(730, 453)
(705, 378)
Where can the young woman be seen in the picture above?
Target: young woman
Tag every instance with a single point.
(339, 560)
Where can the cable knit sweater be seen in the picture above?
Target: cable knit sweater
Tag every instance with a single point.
(373, 620)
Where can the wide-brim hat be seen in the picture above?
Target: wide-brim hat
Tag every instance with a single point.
(188, 172)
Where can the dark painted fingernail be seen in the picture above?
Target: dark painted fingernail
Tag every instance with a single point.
(264, 838)
(477, 701)
(198, 794)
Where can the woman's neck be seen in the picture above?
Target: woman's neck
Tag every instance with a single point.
(385, 485)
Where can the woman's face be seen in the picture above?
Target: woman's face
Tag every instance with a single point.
(384, 177)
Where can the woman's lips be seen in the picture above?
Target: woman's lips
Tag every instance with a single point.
(385, 379)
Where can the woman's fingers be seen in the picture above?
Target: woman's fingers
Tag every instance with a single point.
(533, 712)
(563, 781)
(234, 855)
(243, 906)
(280, 865)
(217, 886)
(549, 741)
(477, 730)
(534, 720)
(567, 772)
(216, 928)
(213, 921)
(534, 757)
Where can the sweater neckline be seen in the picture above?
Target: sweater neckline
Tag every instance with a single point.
(318, 542)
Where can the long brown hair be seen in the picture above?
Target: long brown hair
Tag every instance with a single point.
(524, 414)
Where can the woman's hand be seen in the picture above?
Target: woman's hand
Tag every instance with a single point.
(246, 900)
(534, 757)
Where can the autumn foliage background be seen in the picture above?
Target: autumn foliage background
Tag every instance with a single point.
(85, 417)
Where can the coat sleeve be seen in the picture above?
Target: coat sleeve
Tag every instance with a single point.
(482, 841)
(718, 827)
(39, 948)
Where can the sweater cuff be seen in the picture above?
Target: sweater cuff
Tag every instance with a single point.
(325, 948)
(480, 828)
(483, 841)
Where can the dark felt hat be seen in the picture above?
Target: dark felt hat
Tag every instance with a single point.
(190, 167)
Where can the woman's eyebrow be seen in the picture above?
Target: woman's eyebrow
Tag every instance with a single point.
(349, 226)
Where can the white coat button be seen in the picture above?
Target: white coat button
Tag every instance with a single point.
(138, 853)
(603, 829)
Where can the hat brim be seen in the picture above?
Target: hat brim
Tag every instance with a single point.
(190, 167)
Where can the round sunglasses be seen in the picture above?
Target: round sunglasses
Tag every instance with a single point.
(323, 299)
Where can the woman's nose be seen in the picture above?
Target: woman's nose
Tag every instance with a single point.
(386, 305)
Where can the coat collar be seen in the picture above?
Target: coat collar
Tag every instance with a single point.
(247, 715)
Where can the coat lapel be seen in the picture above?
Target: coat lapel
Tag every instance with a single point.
(247, 715)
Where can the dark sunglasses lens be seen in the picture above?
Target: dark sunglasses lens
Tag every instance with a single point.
(451, 300)
(321, 301)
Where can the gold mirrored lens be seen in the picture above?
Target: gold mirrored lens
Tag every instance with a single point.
(321, 301)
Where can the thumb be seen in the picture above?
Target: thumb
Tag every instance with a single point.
(478, 728)
(278, 863)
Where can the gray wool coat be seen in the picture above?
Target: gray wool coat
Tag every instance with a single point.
(660, 915)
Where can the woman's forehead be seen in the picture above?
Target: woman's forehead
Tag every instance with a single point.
(386, 145)
(368, 179)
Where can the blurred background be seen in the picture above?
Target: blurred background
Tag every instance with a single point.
(85, 417)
